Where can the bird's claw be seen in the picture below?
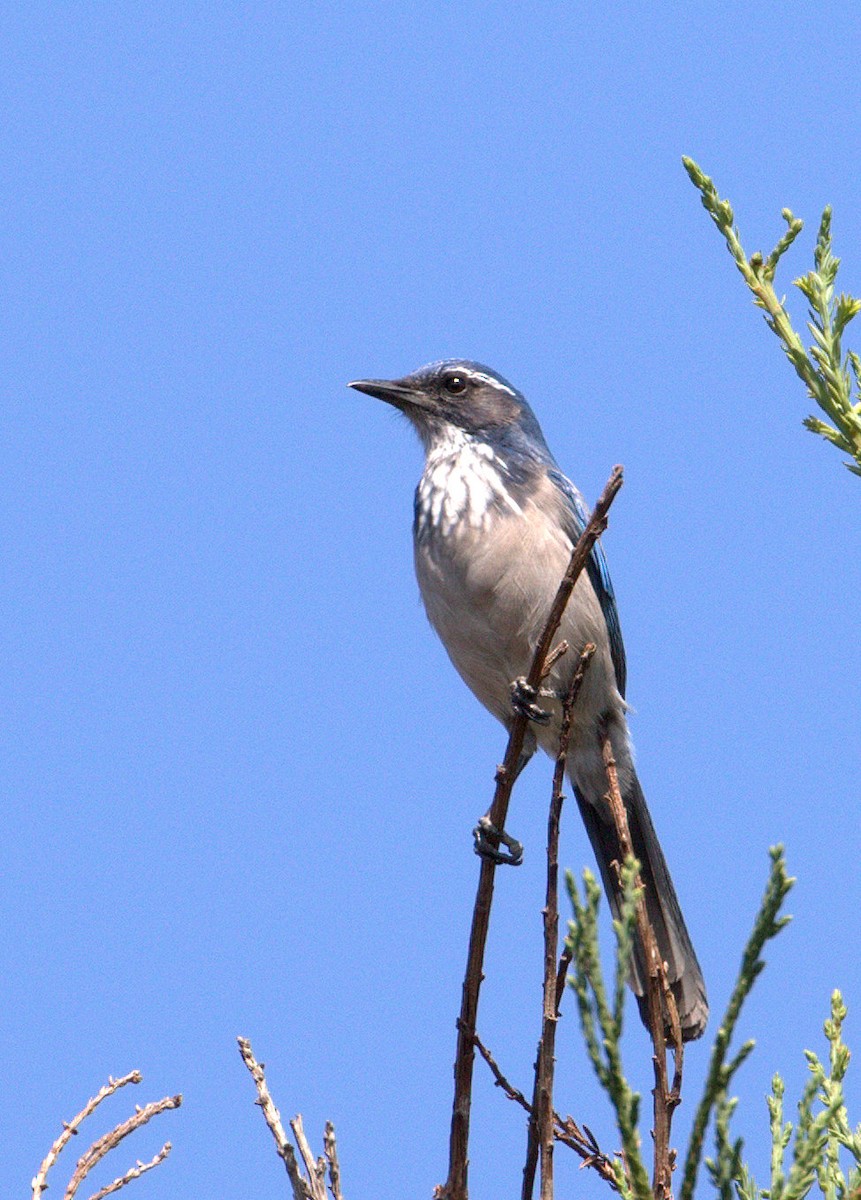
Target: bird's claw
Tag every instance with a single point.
(523, 697)
(487, 838)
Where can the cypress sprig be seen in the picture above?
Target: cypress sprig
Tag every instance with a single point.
(726, 1168)
(821, 1132)
(826, 372)
(601, 1023)
(767, 925)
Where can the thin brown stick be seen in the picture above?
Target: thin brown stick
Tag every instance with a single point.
(582, 1141)
(112, 1139)
(562, 973)
(70, 1128)
(135, 1172)
(566, 1129)
(659, 998)
(551, 998)
(540, 1136)
(499, 1079)
(677, 1045)
(455, 1187)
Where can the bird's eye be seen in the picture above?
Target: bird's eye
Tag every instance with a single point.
(454, 384)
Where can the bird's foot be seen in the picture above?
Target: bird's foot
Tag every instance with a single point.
(523, 701)
(487, 838)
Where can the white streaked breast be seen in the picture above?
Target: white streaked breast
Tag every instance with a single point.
(463, 483)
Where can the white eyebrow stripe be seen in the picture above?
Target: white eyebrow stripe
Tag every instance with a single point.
(480, 377)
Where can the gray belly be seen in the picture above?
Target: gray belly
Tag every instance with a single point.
(487, 594)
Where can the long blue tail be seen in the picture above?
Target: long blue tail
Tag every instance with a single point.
(662, 905)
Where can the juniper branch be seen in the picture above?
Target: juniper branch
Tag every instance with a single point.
(825, 372)
(602, 1023)
(767, 925)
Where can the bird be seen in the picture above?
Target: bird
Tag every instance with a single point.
(495, 521)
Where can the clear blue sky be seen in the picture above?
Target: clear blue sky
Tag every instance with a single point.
(239, 774)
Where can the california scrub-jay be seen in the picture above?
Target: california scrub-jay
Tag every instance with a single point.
(495, 523)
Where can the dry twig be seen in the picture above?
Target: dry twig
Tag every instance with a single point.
(301, 1188)
(659, 997)
(316, 1167)
(541, 1126)
(109, 1141)
(499, 1079)
(134, 1172)
(566, 1130)
(314, 1187)
(330, 1148)
(455, 1187)
(562, 972)
(104, 1144)
(70, 1128)
(583, 1142)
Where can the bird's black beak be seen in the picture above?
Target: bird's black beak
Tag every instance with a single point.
(393, 391)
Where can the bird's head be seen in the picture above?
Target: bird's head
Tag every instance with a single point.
(464, 395)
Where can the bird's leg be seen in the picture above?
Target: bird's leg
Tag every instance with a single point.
(523, 701)
(486, 836)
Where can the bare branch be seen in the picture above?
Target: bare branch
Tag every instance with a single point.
(103, 1145)
(330, 1148)
(455, 1187)
(134, 1173)
(316, 1167)
(70, 1128)
(582, 1142)
(562, 973)
(109, 1141)
(660, 1001)
(272, 1117)
(314, 1187)
(566, 1130)
(499, 1079)
(541, 1127)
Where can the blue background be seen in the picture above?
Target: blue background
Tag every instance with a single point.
(238, 772)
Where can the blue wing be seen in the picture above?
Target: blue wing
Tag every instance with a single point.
(599, 574)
